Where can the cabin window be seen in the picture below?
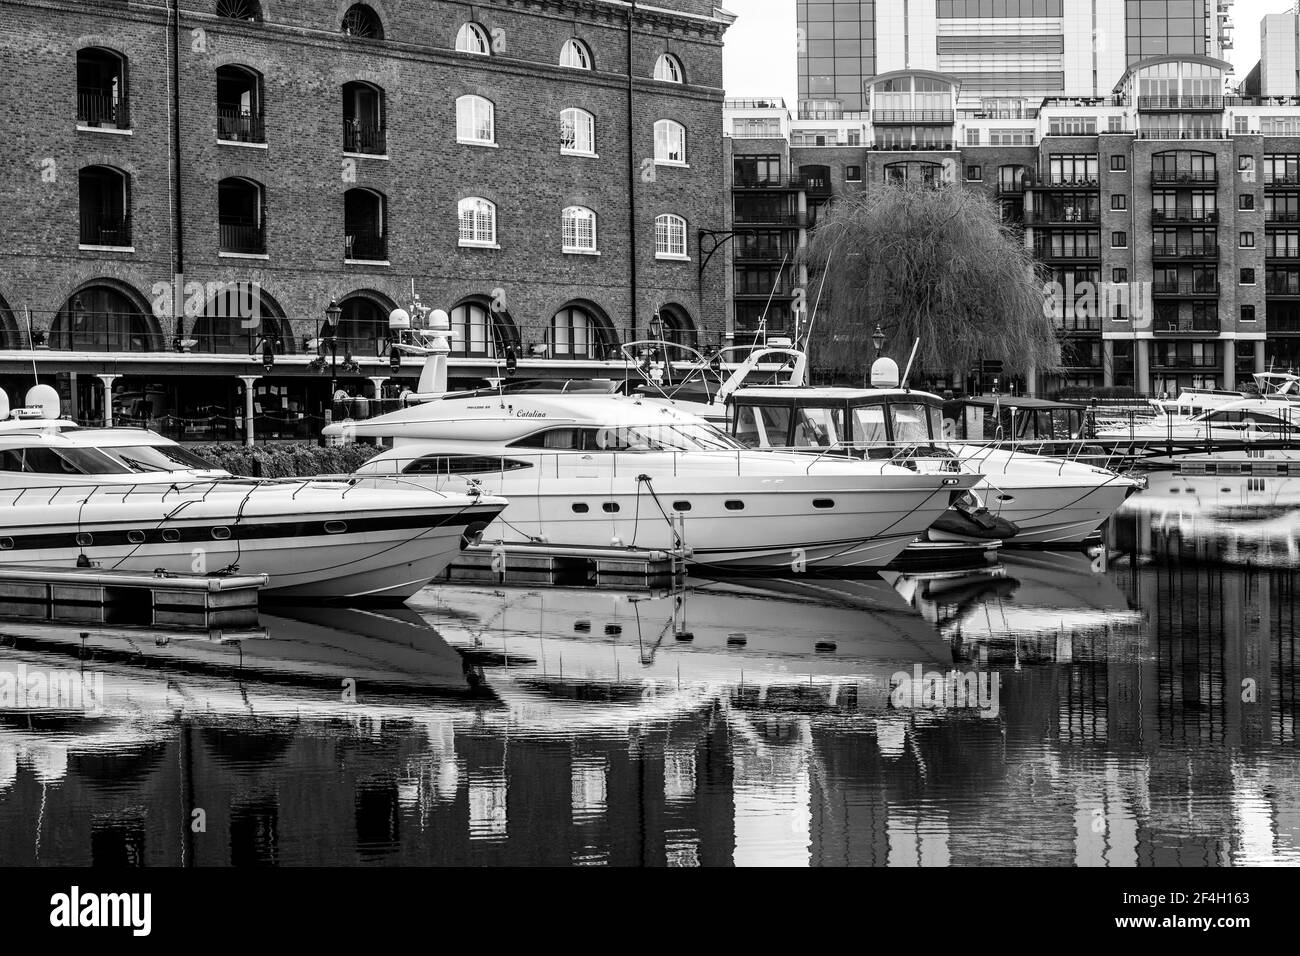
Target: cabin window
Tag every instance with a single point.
(462, 465)
(331, 527)
(220, 533)
(609, 507)
(912, 422)
(135, 537)
(580, 509)
(6, 544)
(823, 503)
(147, 458)
(763, 426)
(818, 427)
(869, 425)
(63, 461)
(171, 534)
(85, 540)
(734, 505)
(681, 506)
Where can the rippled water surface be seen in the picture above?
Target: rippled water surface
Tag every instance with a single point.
(1132, 705)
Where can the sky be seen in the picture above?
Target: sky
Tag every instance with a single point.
(759, 55)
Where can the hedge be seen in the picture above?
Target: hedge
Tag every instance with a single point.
(285, 460)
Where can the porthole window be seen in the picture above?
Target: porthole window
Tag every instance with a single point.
(85, 540)
(171, 534)
(734, 505)
(220, 533)
(135, 537)
(613, 629)
(681, 506)
(6, 544)
(335, 527)
(582, 627)
(580, 509)
(609, 507)
(823, 502)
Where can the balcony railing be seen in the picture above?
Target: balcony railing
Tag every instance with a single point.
(1078, 324)
(1282, 252)
(1185, 287)
(1040, 217)
(1185, 215)
(367, 138)
(96, 108)
(763, 252)
(1011, 189)
(913, 117)
(1279, 285)
(1281, 215)
(106, 231)
(366, 247)
(243, 238)
(1069, 184)
(777, 182)
(1183, 134)
(782, 291)
(1048, 254)
(236, 126)
(1283, 326)
(1204, 326)
(932, 147)
(1176, 250)
(1287, 179)
(1176, 103)
(1188, 176)
(769, 219)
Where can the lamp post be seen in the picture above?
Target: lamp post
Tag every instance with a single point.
(878, 339)
(329, 339)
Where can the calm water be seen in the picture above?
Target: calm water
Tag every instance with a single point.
(1139, 710)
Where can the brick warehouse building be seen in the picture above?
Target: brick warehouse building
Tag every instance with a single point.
(1167, 185)
(479, 155)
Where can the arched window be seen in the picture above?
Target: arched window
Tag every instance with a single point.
(101, 318)
(105, 205)
(235, 317)
(575, 54)
(478, 222)
(362, 21)
(677, 326)
(670, 237)
(670, 142)
(240, 212)
(668, 68)
(102, 89)
(576, 332)
(474, 120)
(365, 225)
(363, 119)
(472, 38)
(363, 326)
(239, 105)
(577, 132)
(249, 10)
(579, 224)
(479, 332)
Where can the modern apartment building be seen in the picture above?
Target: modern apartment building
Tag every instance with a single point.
(999, 50)
(1164, 192)
(1279, 54)
(213, 205)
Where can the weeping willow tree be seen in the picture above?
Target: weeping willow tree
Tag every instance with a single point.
(934, 264)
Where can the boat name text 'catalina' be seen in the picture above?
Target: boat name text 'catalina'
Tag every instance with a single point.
(525, 413)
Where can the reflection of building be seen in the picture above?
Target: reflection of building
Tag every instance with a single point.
(424, 151)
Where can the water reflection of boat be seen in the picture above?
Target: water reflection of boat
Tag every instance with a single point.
(388, 650)
(1231, 519)
(827, 635)
(1039, 606)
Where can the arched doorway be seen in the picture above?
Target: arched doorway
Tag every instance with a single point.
(581, 330)
(480, 332)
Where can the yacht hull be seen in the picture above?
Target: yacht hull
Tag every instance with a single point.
(332, 545)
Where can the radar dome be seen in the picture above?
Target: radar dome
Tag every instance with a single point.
(45, 398)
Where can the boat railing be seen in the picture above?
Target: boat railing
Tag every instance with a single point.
(188, 489)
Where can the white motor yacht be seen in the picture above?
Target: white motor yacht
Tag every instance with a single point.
(601, 470)
(1048, 500)
(130, 499)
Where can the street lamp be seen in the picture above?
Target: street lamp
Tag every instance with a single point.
(878, 339)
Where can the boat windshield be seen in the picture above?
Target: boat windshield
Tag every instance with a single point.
(675, 436)
(42, 460)
(149, 458)
(915, 422)
(816, 427)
